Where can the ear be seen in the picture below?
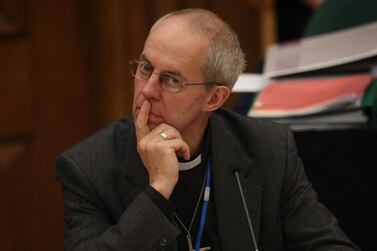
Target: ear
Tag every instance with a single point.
(216, 97)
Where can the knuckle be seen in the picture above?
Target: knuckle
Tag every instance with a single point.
(141, 145)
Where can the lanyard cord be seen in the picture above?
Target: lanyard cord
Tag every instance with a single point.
(206, 190)
(203, 217)
(188, 234)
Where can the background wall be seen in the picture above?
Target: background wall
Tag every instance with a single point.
(63, 75)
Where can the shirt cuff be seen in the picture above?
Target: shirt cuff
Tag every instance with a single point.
(166, 207)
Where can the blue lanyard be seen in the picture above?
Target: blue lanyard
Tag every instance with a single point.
(203, 216)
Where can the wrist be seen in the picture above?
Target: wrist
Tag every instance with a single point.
(164, 188)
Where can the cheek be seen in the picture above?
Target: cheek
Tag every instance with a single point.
(189, 107)
(188, 111)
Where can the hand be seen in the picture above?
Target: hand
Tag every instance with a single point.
(159, 156)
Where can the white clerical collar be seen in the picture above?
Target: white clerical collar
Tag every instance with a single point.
(184, 166)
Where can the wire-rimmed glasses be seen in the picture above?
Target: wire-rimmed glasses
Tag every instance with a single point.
(143, 70)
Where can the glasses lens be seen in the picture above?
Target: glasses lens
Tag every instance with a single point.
(145, 70)
(141, 70)
(170, 83)
(134, 69)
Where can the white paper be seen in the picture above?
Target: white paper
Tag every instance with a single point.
(248, 82)
(322, 51)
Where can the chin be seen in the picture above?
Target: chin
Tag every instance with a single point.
(154, 123)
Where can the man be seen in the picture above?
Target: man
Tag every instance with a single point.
(175, 175)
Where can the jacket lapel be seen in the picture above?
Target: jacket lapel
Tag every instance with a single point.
(136, 176)
(227, 155)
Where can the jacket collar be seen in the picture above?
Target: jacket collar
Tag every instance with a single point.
(227, 155)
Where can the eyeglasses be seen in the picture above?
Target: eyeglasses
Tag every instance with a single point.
(168, 82)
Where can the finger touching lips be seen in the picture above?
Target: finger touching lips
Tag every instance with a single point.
(141, 122)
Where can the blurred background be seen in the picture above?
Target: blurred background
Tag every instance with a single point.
(64, 74)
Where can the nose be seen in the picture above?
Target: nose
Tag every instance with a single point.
(152, 89)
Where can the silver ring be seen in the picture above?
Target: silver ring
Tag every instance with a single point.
(164, 136)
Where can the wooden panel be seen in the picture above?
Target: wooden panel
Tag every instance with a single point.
(44, 108)
(118, 32)
(10, 152)
(61, 77)
(15, 193)
(262, 3)
(16, 127)
(16, 92)
(12, 17)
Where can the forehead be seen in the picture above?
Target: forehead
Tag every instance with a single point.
(173, 46)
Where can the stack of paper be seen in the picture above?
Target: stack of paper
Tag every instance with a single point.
(322, 82)
(315, 102)
(353, 47)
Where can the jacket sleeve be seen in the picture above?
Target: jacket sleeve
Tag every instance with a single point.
(307, 224)
(88, 225)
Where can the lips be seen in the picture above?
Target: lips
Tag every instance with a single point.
(154, 114)
(154, 118)
(150, 113)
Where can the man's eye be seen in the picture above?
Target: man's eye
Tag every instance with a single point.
(173, 80)
(146, 68)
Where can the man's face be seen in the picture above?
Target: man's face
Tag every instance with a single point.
(173, 49)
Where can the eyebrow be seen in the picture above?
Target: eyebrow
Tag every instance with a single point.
(144, 58)
(171, 72)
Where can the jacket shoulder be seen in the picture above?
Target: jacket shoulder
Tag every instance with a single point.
(111, 140)
(248, 129)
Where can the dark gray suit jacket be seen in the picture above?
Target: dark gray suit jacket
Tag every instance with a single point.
(105, 207)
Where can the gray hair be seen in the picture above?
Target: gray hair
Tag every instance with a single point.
(225, 60)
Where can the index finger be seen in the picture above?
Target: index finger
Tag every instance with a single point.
(141, 120)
